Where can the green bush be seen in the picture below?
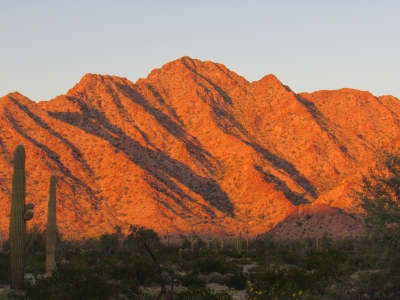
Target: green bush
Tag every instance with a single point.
(202, 293)
(214, 277)
(276, 284)
(4, 268)
(290, 258)
(138, 236)
(92, 275)
(190, 280)
(212, 263)
(236, 280)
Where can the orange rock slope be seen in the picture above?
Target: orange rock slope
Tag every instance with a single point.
(193, 146)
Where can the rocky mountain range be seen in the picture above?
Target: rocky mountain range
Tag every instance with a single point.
(194, 146)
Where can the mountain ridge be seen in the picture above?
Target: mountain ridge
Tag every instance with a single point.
(194, 145)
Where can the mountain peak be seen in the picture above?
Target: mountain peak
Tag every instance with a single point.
(269, 80)
(94, 82)
(16, 95)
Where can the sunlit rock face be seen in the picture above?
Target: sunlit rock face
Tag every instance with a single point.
(195, 146)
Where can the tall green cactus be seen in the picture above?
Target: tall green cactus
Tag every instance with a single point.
(19, 214)
(51, 229)
(267, 243)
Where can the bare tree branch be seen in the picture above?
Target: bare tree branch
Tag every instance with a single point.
(169, 295)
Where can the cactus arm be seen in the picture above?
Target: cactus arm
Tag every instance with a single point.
(28, 215)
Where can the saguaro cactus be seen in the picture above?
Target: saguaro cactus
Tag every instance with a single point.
(247, 240)
(216, 246)
(317, 244)
(19, 214)
(240, 243)
(51, 229)
(195, 248)
(267, 243)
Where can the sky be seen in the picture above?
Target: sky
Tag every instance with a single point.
(47, 46)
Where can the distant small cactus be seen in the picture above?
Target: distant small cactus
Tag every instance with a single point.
(51, 229)
(240, 243)
(195, 247)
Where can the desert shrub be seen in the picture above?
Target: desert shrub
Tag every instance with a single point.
(325, 264)
(4, 268)
(259, 245)
(202, 293)
(276, 284)
(95, 275)
(185, 242)
(36, 265)
(202, 278)
(289, 257)
(6, 246)
(138, 236)
(70, 282)
(379, 196)
(187, 265)
(236, 280)
(212, 263)
(190, 280)
(109, 242)
(214, 277)
(180, 288)
(166, 277)
(8, 294)
(35, 241)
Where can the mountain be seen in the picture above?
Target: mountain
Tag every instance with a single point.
(194, 146)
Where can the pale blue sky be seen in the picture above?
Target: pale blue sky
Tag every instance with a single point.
(47, 46)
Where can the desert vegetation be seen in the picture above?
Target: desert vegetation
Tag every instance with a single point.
(118, 266)
(136, 263)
